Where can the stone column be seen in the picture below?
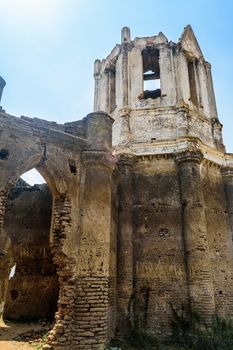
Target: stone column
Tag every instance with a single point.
(125, 243)
(199, 277)
(125, 42)
(93, 262)
(211, 95)
(110, 91)
(217, 134)
(97, 68)
(92, 275)
(227, 173)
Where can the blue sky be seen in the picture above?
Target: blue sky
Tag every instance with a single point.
(48, 48)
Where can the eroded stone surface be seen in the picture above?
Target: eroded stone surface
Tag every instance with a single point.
(142, 229)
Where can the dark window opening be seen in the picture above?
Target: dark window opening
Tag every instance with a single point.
(151, 73)
(4, 154)
(73, 168)
(193, 82)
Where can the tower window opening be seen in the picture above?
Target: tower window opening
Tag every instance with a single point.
(151, 73)
(193, 82)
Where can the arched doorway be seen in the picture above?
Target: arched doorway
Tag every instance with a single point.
(32, 291)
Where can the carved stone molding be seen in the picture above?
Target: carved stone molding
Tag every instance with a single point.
(227, 171)
(195, 156)
(126, 160)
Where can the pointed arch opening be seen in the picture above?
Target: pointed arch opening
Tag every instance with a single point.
(31, 281)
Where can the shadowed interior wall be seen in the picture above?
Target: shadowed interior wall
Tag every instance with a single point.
(33, 290)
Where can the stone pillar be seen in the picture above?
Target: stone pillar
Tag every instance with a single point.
(227, 173)
(182, 121)
(93, 264)
(112, 89)
(109, 91)
(98, 127)
(125, 35)
(125, 243)
(199, 277)
(183, 86)
(125, 42)
(217, 134)
(97, 68)
(211, 95)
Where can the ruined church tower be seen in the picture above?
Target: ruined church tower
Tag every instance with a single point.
(176, 182)
(140, 201)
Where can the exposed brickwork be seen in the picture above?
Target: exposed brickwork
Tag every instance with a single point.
(61, 335)
(91, 307)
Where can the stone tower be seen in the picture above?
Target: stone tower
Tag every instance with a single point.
(157, 91)
(175, 193)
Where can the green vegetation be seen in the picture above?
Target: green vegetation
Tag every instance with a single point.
(198, 336)
(193, 335)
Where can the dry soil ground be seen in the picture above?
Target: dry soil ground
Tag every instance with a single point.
(21, 336)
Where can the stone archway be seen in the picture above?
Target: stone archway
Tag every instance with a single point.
(76, 162)
(32, 291)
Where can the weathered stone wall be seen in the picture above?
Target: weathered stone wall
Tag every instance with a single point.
(174, 242)
(33, 290)
(156, 278)
(219, 237)
(135, 242)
